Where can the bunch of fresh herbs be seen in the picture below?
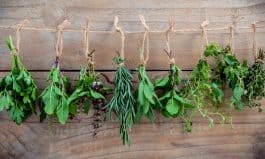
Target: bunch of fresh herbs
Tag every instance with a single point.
(18, 89)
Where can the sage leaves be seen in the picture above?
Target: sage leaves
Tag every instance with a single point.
(18, 89)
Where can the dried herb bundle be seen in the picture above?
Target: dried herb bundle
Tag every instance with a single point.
(123, 103)
(229, 70)
(254, 82)
(18, 89)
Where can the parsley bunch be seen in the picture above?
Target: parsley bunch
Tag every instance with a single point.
(17, 90)
(123, 103)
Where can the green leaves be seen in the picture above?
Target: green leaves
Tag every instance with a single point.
(172, 106)
(147, 100)
(122, 104)
(17, 90)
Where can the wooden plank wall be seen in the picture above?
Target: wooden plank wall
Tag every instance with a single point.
(163, 139)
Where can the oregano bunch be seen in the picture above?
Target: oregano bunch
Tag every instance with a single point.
(122, 104)
(18, 89)
(203, 94)
(228, 70)
(254, 82)
(174, 104)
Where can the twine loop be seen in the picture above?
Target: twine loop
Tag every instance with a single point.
(19, 27)
(204, 24)
(144, 59)
(119, 30)
(89, 55)
(168, 49)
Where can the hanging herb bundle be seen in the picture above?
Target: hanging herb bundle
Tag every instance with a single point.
(229, 70)
(147, 99)
(122, 104)
(18, 89)
(254, 82)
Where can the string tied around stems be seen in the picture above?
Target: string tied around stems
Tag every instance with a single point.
(168, 50)
(119, 30)
(144, 58)
(19, 27)
(89, 55)
(59, 41)
(204, 24)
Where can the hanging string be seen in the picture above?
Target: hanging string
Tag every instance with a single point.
(144, 59)
(255, 50)
(89, 55)
(19, 27)
(231, 38)
(119, 30)
(168, 31)
(59, 42)
(203, 35)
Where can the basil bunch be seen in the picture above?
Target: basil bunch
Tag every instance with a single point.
(229, 70)
(254, 82)
(146, 96)
(17, 90)
(174, 103)
(123, 103)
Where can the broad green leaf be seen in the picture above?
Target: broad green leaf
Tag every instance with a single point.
(238, 92)
(63, 111)
(73, 108)
(16, 114)
(3, 103)
(146, 107)
(148, 92)
(141, 93)
(172, 106)
(162, 82)
(87, 105)
(96, 95)
(50, 100)
(9, 43)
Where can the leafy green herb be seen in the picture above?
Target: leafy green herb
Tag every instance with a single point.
(18, 89)
(254, 82)
(54, 96)
(174, 104)
(123, 102)
(229, 70)
(203, 94)
(146, 96)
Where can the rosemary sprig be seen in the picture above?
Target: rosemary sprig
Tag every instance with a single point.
(123, 103)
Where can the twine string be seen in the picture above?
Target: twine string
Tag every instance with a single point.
(89, 55)
(19, 27)
(168, 49)
(59, 41)
(119, 30)
(144, 59)
(204, 24)
(255, 50)
(231, 38)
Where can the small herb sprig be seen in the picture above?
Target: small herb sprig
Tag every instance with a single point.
(123, 103)
(254, 82)
(18, 89)
(229, 70)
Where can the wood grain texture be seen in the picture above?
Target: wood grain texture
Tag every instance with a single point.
(163, 139)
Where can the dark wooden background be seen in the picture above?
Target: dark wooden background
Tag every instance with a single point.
(163, 139)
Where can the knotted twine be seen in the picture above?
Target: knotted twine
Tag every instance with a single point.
(144, 58)
(88, 54)
(19, 27)
(255, 50)
(59, 42)
(168, 50)
(204, 24)
(119, 30)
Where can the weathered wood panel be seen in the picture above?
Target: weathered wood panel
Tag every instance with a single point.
(164, 138)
